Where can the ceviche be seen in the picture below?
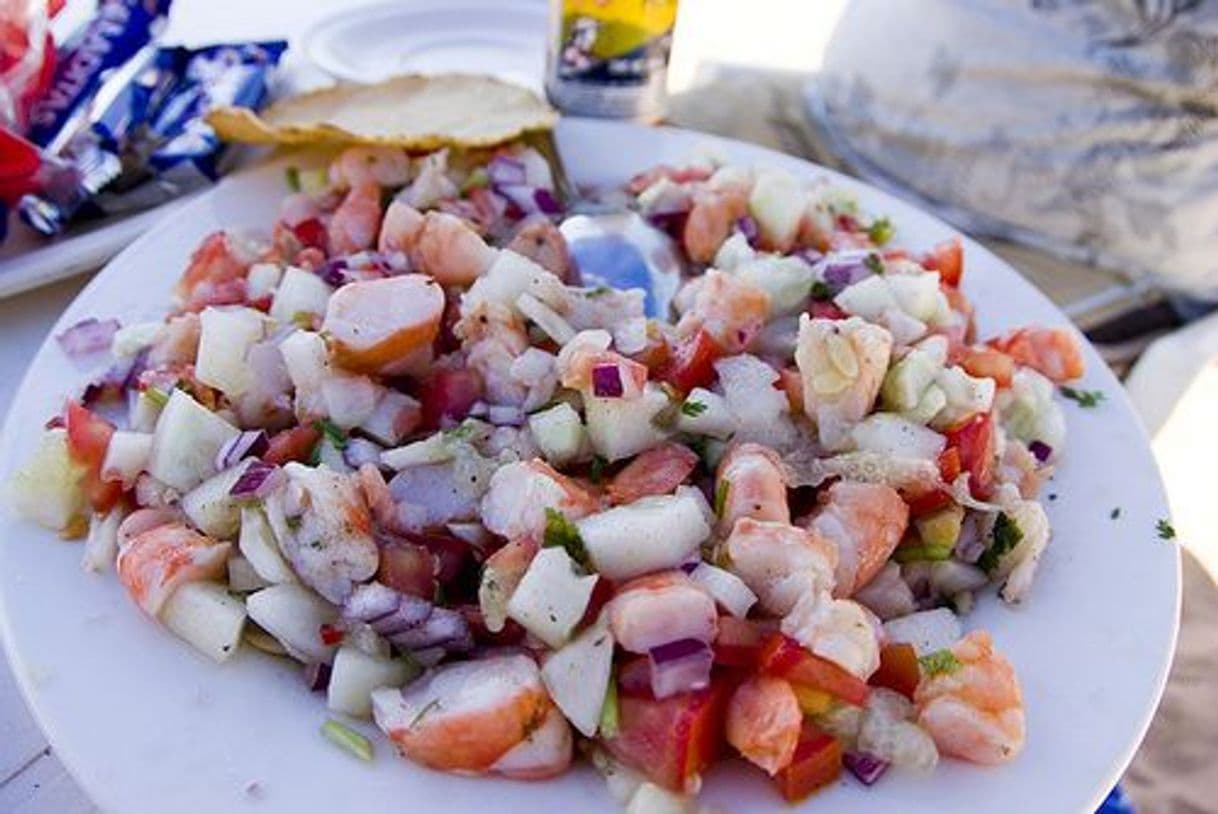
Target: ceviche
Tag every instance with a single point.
(513, 519)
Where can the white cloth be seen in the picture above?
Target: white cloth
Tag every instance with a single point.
(1086, 127)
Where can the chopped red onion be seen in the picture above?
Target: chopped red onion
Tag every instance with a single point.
(504, 170)
(248, 444)
(411, 611)
(747, 226)
(360, 451)
(333, 272)
(443, 627)
(88, 336)
(530, 200)
(867, 768)
(1041, 450)
(672, 223)
(680, 666)
(257, 481)
(810, 256)
(317, 675)
(546, 202)
(607, 381)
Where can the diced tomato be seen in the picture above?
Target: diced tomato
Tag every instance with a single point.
(671, 741)
(792, 382)
(692, 363)
(88, 440)
(988, 363)
(215, 275)
(816, 764)
(448, 394)
(1053, 352)
(738, 642)
(899, 670)
(311, 233)
(825, 309)
(634, 677)
(408, 568)
(848, 223)
(602, 592)
(783, 656)
(948, 259)
(974, 439)
(330, 634)
(658, 471)
(451, 553)
(895, 254)
(949, 464)
(924, 503)
(295, 444)
(512, 632)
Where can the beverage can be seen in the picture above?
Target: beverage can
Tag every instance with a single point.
(609, 58)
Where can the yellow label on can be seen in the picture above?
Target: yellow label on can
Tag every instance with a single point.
(615, 41)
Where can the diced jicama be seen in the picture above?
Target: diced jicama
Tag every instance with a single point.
(706, 413)
(299, 293)
(355, 674)
(620, 427)
(126, 456)
(294, 615)
(242, 578)
(211, 508)
(558, 433)
(648, 535)
(551, 597)
(896, 437)
(206, 616)
(47, 489)
(225, 337)
(578, 674)
(186, 441)
(257, 543)
(777, 204)
(927, 631)
(788, 281)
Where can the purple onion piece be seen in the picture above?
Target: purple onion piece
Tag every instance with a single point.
(672, 223)
(250, 443)
(360, 451)
(689, 567)
(442, 627)
(867, 768)
(257, 481)
(748, 227)
(88, 336)
(810, 256)
(680, 666)
(546, 202)
(1041, 450)
(317, 675)
(507, 171)
(370, 601)
(607, 381)
(410, 613)
(333, 272)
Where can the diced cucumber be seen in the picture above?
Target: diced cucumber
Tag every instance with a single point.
(186, 441)
(941, 529)
(299, 292)
(126, 456)
(648, 535)
(930, 405)
(788, 281)
(356, 674)
(706, 413)
(619, 427)
(242, 578)
(908, 379)
(558, 433)
(777, 204)
(294, 615)
(257, 543)
(206, 616)
(211, 508)
(47, 489)
(225, 337)
(897, 437)
(577, 676)
(551, 597)
(966, 395)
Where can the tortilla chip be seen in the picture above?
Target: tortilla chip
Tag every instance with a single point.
(414, 112)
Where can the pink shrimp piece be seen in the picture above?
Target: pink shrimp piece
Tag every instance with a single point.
(711, 220)
(780, 562)
(1053, 352)
(357, 220)
(539, 240)
(492, 336)
(177, 343)
(753, 485)
(384, 326)
(360, 166)
(660, 608)
(974, 712)
(764, 721)
(501, 574)
(841, 363)
(730, 310)
(865, 523)
(401, 227)
(216, 275)
(465, 716)
(545, 752)
(678, 175)
(155, 562)
(657, 471)
(515, 503)
(578, 371)
(448, 249)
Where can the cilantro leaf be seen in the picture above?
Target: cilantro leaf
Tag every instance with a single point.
(880, 231)
(332, 433)
(722, 488)
(821, 292)
(940, 662)
(562, 533)
(597, 469)
(1007, 535)
(693, 409)
(1085, 398)
(873, 263)
(599, 291)
(292, 176)
(1165, 529)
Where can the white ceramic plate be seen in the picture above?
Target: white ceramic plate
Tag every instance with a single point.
(146, 724)
(504, 39)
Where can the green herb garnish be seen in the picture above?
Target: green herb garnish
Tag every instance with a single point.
(292, 176)
(1165, 529)
(873, 263)
(158, 397)
(347, 739)
(562, 533)
(1007, 535)
(596, 471)
(428, 707)
(722, 488)
(608, 725)
(464, 431)
(479, 177)
(303, 320)
(599, 291)
(332, 433)
(693, 409)
(880, 231)
(940, 662)
(821, 292)
(1085, 398)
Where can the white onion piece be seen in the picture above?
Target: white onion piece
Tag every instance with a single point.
(728, 589)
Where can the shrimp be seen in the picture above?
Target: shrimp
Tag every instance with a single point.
(975, 711)
(493, 337)
(886, 732)
(545, 752)
(1053, 352)
(432, 185)
(384, 326)
(154, 562)
(357, 221)
(711, 219)
(465, 716)
(501, 574)
(842, 631)
(540, 240)
(177, 343)
(842, 363)
(515, 504)
(447, 248)
(577, 369)
(764, 721)
(865, 522)
(359, 166)
(660, 608)
(730, 310)
(400, 229)
(751, 481)
(780, 562)
(216, 275)
(332, 547)
(658, 471)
